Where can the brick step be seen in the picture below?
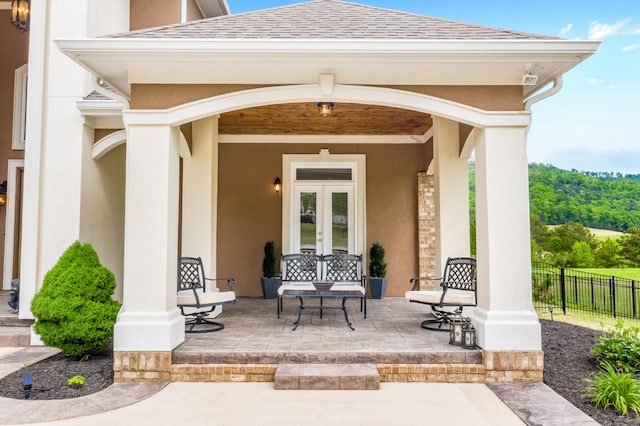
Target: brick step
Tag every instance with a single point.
(327, 377)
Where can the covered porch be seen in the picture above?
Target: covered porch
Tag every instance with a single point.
(206, 119)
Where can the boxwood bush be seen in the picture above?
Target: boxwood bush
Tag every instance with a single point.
(74, 308)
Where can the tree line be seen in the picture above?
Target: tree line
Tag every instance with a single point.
(576, 201)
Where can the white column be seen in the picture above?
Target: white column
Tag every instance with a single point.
(505, 317)
(200, 194)
(55, 136)
(149, 319)
(451, 193)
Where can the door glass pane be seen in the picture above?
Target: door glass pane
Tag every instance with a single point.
(339, 222)
(308, 222)
(323, 174)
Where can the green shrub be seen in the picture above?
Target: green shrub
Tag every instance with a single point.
(269, 261)
(611, 388)
(619, 347)
(76, 381)
(377, 265)
(74, 310)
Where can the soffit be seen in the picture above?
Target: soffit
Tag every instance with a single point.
(305, 119)
(212, 8)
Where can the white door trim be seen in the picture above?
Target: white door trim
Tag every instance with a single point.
(292, 161)
(10, 220)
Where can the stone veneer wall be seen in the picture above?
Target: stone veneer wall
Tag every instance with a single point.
(497, 366)
(426, 227)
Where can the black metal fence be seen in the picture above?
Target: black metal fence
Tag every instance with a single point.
(574, 290)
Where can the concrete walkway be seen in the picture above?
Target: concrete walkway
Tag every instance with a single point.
(259, 404)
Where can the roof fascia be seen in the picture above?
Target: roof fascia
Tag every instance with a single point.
(118, 47)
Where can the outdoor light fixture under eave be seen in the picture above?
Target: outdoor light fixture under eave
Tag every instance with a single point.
(3, 193)
(529, 79)
(325, 108)
(277, 185)
(20, 12)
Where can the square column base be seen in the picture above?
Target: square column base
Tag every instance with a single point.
(148, 331)
(507, 330)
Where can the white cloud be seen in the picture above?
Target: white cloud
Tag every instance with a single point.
(631, 48)
(621, 86)
(594, 81)
(598, 31)
(565, 30)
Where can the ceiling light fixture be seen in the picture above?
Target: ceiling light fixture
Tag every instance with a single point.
(325, 108)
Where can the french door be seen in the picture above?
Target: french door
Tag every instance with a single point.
(325, 219)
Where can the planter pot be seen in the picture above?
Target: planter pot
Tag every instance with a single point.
(378, 287)
(270, 287)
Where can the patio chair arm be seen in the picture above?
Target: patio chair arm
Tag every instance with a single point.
(193, 288)
(416, 281)
(230, 281)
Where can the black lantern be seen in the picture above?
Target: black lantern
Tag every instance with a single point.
(455, 328)
(468, 335)
(20, 11)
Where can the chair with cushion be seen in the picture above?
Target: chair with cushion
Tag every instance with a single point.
(297, 272)
(196, 299)
(346, 271)
(458, 289)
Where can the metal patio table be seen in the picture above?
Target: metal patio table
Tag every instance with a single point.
(328, 294)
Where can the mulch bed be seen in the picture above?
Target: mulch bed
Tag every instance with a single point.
(50, 377)
(567, 357)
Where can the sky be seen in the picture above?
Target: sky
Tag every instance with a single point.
(592, 124)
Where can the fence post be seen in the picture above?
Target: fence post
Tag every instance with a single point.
(612, 293)
(593, 295)
(563, 292)
(633, 298)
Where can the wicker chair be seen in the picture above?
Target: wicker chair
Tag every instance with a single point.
(458, 289)
(195, 300)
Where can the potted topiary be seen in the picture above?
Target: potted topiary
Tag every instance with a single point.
(377, 271)
(269, 280)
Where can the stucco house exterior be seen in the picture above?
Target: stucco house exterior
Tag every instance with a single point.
(158, 132)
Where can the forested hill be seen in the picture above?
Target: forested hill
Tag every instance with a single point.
(595, 200)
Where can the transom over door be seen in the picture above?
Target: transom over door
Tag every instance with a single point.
(325, 223)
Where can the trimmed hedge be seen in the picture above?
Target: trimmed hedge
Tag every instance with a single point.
(74, 309)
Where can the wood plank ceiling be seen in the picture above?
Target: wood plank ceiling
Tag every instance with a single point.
(305, 119)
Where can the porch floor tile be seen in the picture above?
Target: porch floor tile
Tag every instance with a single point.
(390, 334)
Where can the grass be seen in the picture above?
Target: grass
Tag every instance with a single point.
(584, 320)
(628, 273)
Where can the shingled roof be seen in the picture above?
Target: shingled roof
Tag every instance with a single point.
(330, 19)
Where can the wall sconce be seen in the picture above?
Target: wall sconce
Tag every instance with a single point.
(3, 193)
(276, 185)
(325, 108)
(20, 11)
